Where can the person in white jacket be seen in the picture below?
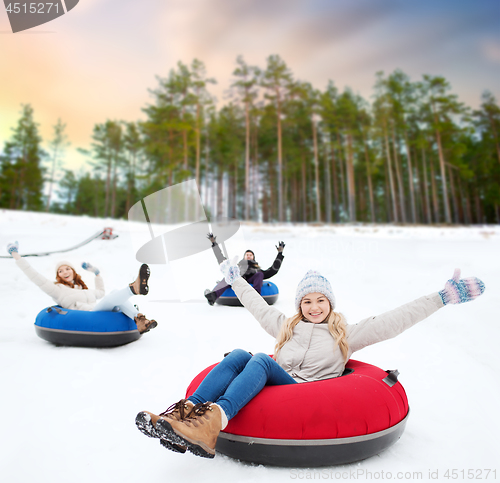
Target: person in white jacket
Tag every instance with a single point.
(313, 345)
(70, 291)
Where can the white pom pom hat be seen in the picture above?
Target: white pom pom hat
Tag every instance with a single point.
(64, 262)
(314, 282)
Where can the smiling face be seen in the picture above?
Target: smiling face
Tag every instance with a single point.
(315, 307)
(66, 273)
(248, 256)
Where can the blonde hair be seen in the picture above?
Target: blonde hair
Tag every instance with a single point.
(336, 326)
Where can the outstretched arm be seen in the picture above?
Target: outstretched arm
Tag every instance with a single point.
(99, 282)
(268, 317)
(215, 247)
(46, 285)
(392, 323)
(274, 268)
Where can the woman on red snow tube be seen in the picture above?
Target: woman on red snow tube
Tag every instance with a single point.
(313, 345)
(70, 292)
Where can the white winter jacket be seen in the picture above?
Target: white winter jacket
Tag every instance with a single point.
(67, 297)
(312, 354)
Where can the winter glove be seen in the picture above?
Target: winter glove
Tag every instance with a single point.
(230, 270)
(13, 247)
(458, 291)
(280, 247)
(90, 268)
(212, 238)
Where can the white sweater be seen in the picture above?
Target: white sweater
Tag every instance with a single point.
(312, 354)
(67, 297)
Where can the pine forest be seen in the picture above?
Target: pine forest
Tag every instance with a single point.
(276, 149)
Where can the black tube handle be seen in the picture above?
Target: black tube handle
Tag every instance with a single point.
(57, 309)
(391, 378)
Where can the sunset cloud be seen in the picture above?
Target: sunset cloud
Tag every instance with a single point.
(491, 50)
(102, 57)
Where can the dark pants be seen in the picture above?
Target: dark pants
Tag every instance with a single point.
(255, 279)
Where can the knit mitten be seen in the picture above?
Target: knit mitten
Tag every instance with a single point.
(458, 291)
(90, 268)
(230, 270)
(280, 247)
(13, 247)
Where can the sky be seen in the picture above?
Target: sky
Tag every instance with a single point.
(99, 61)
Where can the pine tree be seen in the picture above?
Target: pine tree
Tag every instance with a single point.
(382, 109)
(201, 98)
(21, 172)
(331, 126)
(57, 145)
(401, 92)
(348, 114)
(441, 107)
(107, 151)
(488, 121)
(247, 80)
(277, 79)
(132, 144)
(68, 186)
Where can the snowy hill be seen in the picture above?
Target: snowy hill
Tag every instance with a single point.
(68, 413)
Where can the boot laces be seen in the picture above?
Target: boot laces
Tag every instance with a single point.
(195, 415)
(178, 406)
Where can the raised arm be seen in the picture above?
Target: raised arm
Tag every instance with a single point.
(268, 317)
(274, 268)
(392, 323)
(216, 249)
(99, 282)
(46, 285)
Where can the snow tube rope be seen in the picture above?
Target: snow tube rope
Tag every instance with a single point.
(105, 234)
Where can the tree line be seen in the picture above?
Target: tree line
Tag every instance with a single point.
(277, 150)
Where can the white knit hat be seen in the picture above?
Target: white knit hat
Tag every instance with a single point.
(314, 282)
(64, 262)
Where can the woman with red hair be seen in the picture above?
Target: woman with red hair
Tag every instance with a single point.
(70, 291)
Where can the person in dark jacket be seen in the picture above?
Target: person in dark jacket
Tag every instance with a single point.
(248, 266)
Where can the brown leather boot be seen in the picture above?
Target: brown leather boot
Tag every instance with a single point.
(198, 431)
(146, 422)
(143, 324)
(140, 286)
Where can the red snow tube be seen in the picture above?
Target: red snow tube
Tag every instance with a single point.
(322, 423)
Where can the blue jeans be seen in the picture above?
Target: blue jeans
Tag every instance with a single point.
(238, 378)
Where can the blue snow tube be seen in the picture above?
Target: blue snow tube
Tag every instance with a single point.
(269, 293)
(85, 329)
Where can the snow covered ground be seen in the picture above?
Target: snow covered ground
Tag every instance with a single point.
(68, 413)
